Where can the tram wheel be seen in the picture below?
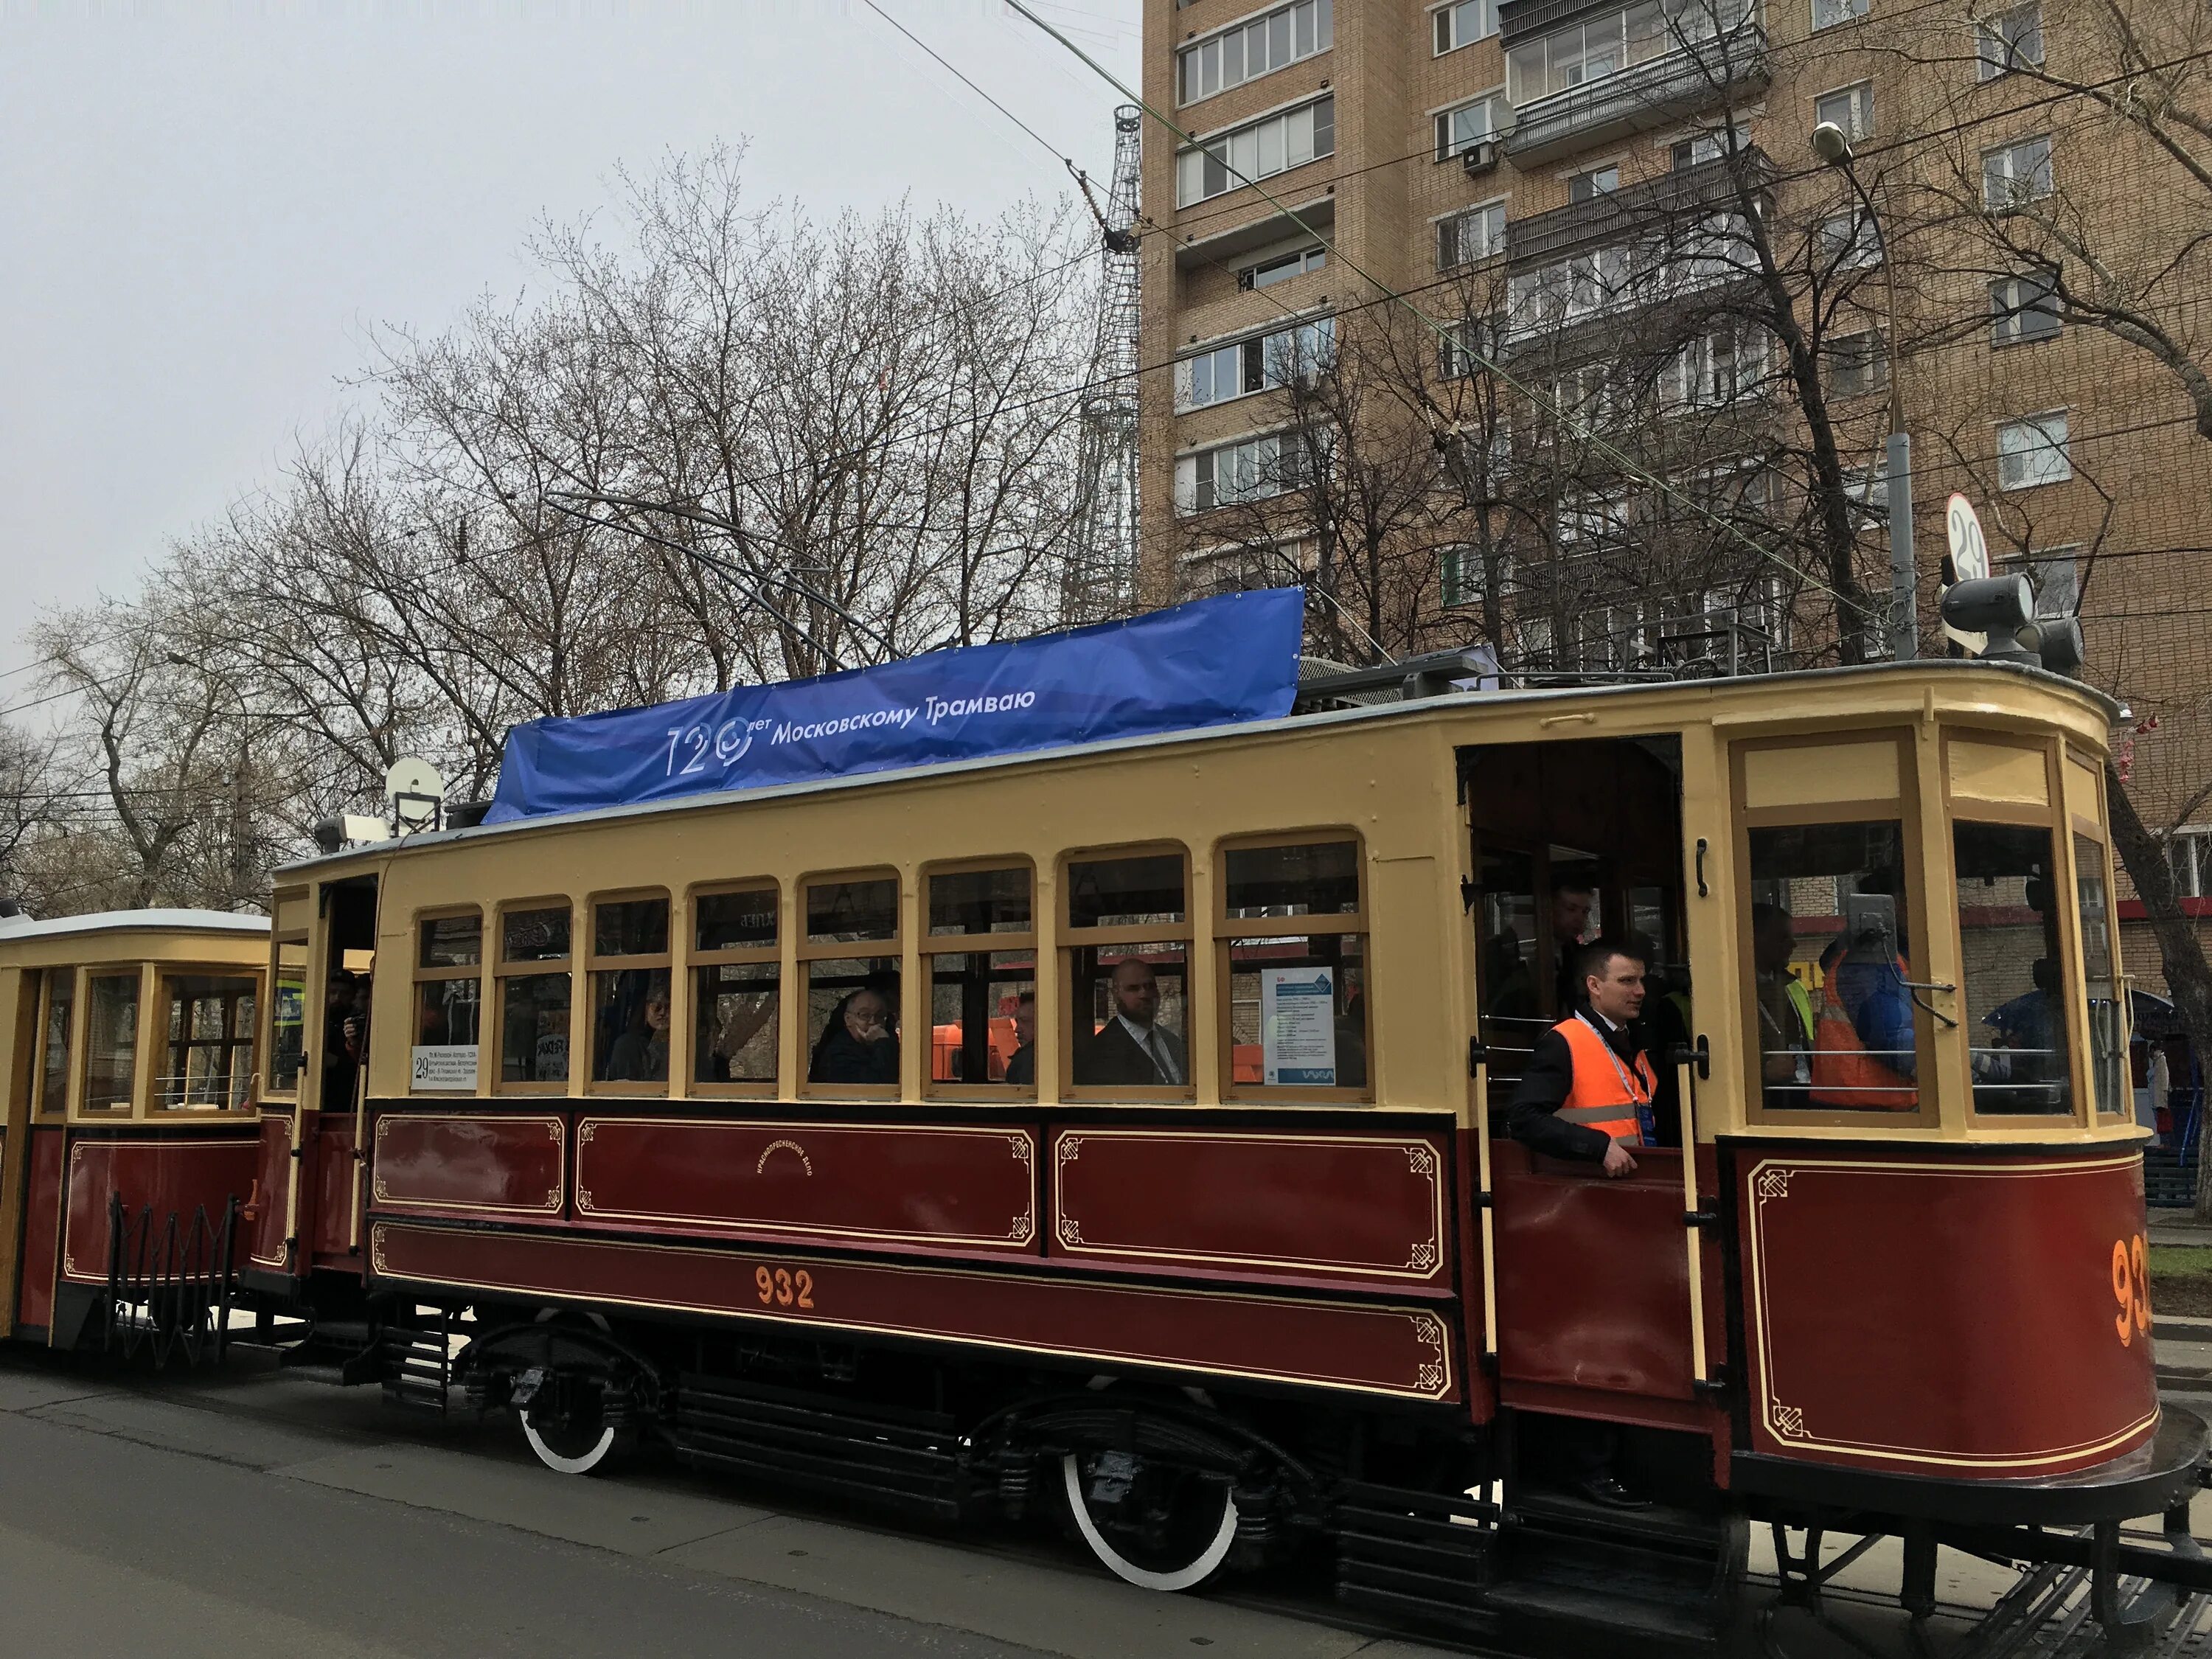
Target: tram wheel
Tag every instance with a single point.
(567, 1425)
(1152, 1524)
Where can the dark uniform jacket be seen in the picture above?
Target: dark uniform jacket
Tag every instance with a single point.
(1113, 1059)
(1545, 1083)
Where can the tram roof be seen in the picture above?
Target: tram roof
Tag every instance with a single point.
(1411, 709)
(16, 927)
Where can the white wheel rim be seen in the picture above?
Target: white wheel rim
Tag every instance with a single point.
(559, 1465)
(1121, 1566)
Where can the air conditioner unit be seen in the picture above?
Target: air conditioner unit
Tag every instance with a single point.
(1479, 156)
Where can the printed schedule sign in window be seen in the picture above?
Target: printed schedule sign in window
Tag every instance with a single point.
(1298, 1024)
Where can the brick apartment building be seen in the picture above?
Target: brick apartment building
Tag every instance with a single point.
(1530, 146)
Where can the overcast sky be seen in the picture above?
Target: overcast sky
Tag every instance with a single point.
(204, 207)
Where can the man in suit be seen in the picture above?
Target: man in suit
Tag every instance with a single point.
(1134, 1050)
(1021, 1065)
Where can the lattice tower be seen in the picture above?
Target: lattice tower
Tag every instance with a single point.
(1101, 578)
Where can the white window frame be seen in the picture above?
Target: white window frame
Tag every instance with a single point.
(1223, 145)
(1593, 171)
(1445, 13)
(1485, 210)
(1873, 367)
(1857, 246)
(1318, 327)
(2065, 560)
(1187, 484)
(2194, 842)
(1623, 59)
(2013, 460)
(1190, 51)
(1448, 145)
(1300, 252)
(2008, 314)
(1996, 53)
(1834, 14)
(1999, 166)
(1858, 108)
(1867, 487)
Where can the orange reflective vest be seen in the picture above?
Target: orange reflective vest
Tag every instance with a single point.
(1604, 1093)
(1843, 1073)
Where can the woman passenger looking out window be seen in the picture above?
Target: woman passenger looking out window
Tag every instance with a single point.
(860, 1042)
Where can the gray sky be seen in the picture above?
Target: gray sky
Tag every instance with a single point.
(204, 207)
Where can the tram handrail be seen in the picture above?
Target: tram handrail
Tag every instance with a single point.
(1483, 1203)
(1693, 1231)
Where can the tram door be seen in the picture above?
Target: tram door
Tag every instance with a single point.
(338, 1052)
(1574, 840)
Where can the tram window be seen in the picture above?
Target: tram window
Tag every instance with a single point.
(630, 1003)
(288, 1016)
(2011, 985)
(54, 1062)
(1128, 954)
(111, 1045)
(1295, 952)
(1829, 914)
(533, 996)
(982, 1002)
(852, 996)
(2108, 1033)
(735, 979)
(209, 1055)
(448, 1002)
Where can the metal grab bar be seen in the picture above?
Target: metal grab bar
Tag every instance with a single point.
(1692, 1229)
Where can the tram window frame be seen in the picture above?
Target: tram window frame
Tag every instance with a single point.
(44, 1105)
(2091, 826)
(2052, 817)
(165, 1000)
(697, 958)
(931, 945)
(281, 938)
(423, 974)
(598, 963)
(503, 970)
(80, 1084)
(1072, 941)
(1905, 808)
(1230, 931)
(807, 950)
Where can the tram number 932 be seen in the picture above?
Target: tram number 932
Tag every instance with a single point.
(782, 1287)
(2130, 1289)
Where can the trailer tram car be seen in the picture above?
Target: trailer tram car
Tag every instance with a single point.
(1302, 1299)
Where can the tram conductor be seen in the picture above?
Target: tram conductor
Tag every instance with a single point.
(1586, 1094)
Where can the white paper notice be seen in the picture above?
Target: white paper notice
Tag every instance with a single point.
(1298, 1024)
(447, 1065)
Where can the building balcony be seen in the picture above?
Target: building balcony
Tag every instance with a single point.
(1659, 91)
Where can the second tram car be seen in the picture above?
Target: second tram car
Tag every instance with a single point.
(794, 1127)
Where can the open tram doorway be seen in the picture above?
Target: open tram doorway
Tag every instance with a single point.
(1574, 840)
(339, 1056)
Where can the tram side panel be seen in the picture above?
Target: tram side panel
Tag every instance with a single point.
(42, 1225)
(1966, 1314)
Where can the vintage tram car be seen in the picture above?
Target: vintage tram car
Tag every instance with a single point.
(628, 1149)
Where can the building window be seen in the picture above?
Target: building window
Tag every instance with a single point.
(2023, 309)
(1464, 23)
(1461, 570)
(1604, 45)
(54, 1041)
(448, 1002)
(1245, 52)
(1282, 267)
(1259, 149)
(2032, 451)
(1827, 14)
(2057, 578)
(1568, 291)
(980, 958)
(1713, 370)
(2189, 853)
(1867, 490)
(210, 1040)
(1240, 569)
(1290, 356)
(1465, 125)
(736, 982)
(1857, 363)
(1466, 346)
(2009, 41)
(112, 1042)
(1710, 146)
(2016, 175)
(1126, 947)
(1293, 942)
(1249, 470)
(533, 981)
(1598, 181)
(1464, 238)
(1850, 241)
(1850, 107)
(851, 961)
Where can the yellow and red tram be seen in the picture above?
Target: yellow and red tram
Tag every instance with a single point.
(575, 1083)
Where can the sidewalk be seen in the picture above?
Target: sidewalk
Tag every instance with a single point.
(2179, 1227)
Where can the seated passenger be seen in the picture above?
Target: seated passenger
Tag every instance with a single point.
(641, 1053)
(858, 1044)
(1133, 1051)
(1021, 1065)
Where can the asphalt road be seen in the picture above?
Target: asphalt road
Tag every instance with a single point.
(258, 1514)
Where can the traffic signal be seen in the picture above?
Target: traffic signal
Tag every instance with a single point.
(2003, 609)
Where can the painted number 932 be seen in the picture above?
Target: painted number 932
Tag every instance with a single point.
(2130, 1289)
(782, 1288)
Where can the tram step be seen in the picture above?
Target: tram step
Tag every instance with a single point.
(1424, 1556)
(1666, 1529)
(1614, 1623)
(417, 1365)
(901, 1460)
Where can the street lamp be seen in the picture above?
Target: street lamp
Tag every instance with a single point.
(1834, 147)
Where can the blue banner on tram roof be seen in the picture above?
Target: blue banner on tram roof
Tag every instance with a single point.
(1209, 663)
